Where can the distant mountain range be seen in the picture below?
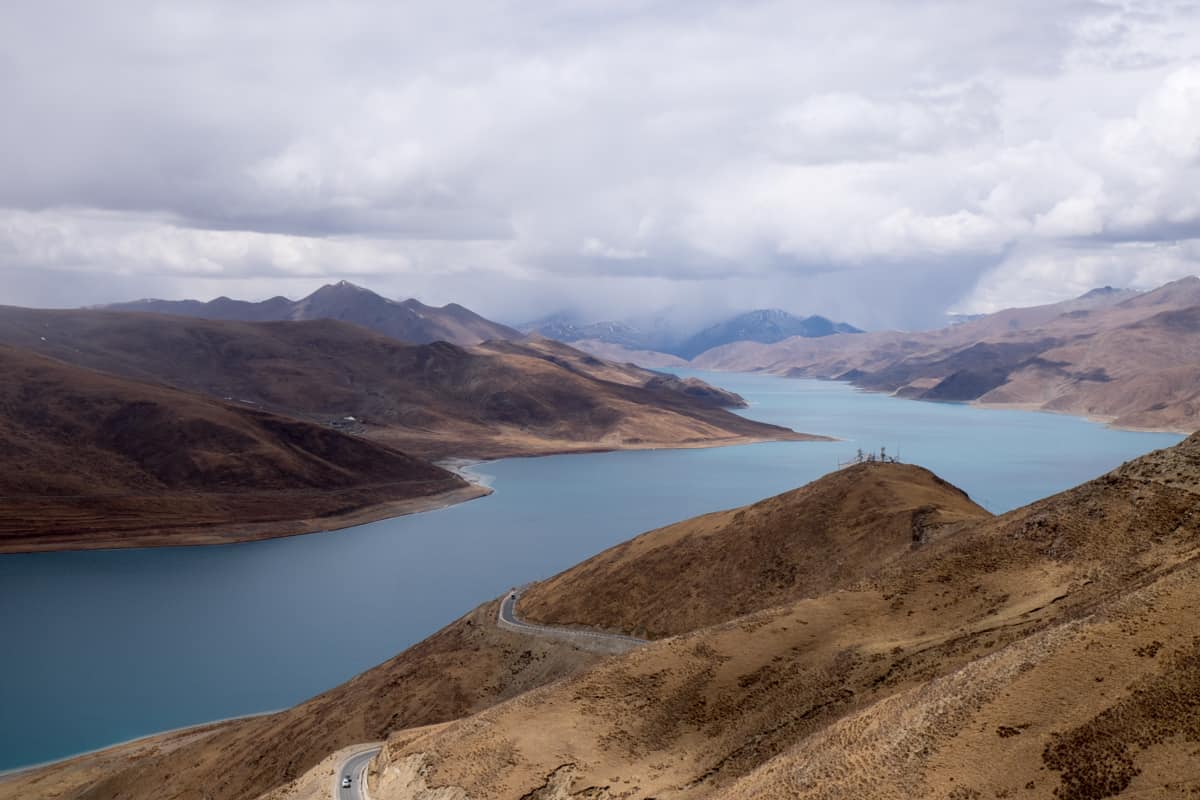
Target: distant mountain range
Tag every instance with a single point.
(1124, 356)
(131, 429)
(565, 328)
(761, 325)
(1116, 354)
(413, 321)
(764, 325)
(406, 320)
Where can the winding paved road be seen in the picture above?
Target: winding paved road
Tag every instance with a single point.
(507, 618)
(356, 765)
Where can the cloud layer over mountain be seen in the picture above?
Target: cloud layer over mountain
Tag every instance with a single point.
(870, 161)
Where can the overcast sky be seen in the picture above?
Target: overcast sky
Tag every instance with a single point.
(879, 162)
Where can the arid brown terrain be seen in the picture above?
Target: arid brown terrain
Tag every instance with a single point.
(95, 460)
(123, 429)
(872, 635)
(435, 400)
(467, 666)
(715, 567)
(1126, 358)
(1050, 651)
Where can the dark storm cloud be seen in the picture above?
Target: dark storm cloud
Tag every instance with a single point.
(637, 151)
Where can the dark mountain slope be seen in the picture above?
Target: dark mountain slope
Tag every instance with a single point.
(434, 399)
(92, 460)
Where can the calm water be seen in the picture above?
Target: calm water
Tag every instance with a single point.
(101, 647)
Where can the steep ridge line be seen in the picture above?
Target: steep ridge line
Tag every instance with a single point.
(834, 689)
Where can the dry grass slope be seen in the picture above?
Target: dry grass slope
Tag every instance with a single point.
(1051, 651)
(460, 670)
(432, 400)
(713, 568)
(97, 460)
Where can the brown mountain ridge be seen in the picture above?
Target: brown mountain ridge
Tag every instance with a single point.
(435, 400)
(1125, 358)
(1051, 651)
(96, 460)
(172, 430)
(408, 320)
(727, 564)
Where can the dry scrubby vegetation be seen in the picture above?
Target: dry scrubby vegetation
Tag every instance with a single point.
(467, 666)
(874, 634)
(724, 565)
(1099, 758)
(1050, 651)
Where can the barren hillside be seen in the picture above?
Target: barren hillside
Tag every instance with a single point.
(463, 668)
(436, 400)
(1051, 650)
(94, 460)
(1130, 360)
(621, 354)
(719, 566)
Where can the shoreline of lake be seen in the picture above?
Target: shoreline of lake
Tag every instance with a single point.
(176, 637)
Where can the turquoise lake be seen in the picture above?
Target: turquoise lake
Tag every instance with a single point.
(101, 647)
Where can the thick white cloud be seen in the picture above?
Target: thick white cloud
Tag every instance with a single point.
(876, 160)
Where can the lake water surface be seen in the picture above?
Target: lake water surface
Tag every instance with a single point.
(100, 647)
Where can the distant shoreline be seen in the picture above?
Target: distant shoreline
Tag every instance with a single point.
(199, 727)
(254, 532)
(1098, 419)
(1106, 421)
(477, 487)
